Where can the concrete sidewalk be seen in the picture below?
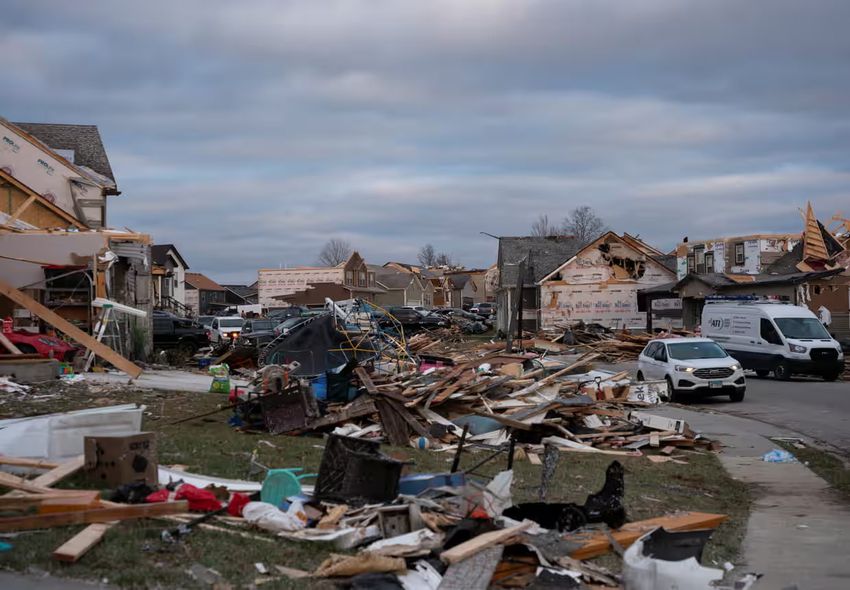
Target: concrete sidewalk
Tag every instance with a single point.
(795, 534)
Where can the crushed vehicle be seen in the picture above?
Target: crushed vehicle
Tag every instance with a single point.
(184, 334)
(43, 344)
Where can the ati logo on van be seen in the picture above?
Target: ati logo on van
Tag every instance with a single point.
(720, 323)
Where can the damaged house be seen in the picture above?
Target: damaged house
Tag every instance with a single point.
(277, 286)
(523, 262)
(402, 287)
(169, 279)
(808, 269)
(55, 181)
(601, 282)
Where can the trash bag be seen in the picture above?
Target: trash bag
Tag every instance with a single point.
(273, 519)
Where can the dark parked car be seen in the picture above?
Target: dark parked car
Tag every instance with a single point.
(260, 338)
(184, 334)
(283, 313)
(410, 319)
(259, 325)
(455, 312)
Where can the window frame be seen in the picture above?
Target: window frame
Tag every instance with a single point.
(739, 249)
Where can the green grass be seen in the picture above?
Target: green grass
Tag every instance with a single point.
(825, 465)
(132, 556)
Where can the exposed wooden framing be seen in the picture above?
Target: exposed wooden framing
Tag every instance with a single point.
(482, 542)
(68, 328)
(23, 207)
(40, 201)
(123, 512)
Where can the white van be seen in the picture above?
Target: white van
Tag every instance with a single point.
(772, 336)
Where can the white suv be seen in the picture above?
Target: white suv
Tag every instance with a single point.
(692, 365)
(226, 328)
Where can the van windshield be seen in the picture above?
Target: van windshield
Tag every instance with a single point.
(802, 328)
(685, 351)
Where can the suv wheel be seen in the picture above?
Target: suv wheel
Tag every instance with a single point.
(671, 391)
(639, 376)
(738, 396)
(762, 373)
(831, 376)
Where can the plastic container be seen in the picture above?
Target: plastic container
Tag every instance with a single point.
(281, 484)
(413, 485)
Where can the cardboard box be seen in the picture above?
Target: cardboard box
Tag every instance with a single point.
(116, 460)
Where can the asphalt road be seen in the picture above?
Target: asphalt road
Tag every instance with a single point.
(811, 407)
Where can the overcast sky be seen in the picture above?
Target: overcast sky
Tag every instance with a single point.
(248, 133)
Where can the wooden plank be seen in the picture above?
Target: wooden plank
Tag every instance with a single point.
(356, 409)
(15, 502)
(481, 542)
(8, 344)
(78, 545)
(596, 544)
(70, 329)
(333, 516)
(33, 463)
(395, 429)
(128, 512)
(505, 420)
(87, 501)
(54, 476)
(366, 380)
(7, 480)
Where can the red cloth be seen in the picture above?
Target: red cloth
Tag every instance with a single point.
(237, 503)
(199, 500)
(158, 496)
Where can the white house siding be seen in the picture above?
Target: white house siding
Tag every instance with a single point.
(594, 288)
(286, 281)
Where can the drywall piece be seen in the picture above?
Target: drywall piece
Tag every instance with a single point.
(60, 436)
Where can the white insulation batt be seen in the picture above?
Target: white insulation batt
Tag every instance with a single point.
(60, 436)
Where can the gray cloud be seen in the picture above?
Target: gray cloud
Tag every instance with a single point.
(248, 133)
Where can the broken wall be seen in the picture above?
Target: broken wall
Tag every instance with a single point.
(272, 282)
(600, 285)
(51, 176)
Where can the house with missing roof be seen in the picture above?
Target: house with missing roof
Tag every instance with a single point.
(276, 285)
(55, 184)
(599, 284)
(809, 269)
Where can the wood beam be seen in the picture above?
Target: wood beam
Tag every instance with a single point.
(123, 512)
(70, 329)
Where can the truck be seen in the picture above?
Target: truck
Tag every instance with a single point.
(771, 336)
(183, 334)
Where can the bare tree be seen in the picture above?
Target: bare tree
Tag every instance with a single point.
(443, 259)
(427, 256)
(542, 228)
(584, 224)
(335, 251)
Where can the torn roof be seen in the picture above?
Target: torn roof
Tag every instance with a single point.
(720, 281)
(545, 254)
(83, 140)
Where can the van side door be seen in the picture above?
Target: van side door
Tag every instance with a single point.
(770, 344)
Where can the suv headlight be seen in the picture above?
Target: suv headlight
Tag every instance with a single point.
(797, 348)
(684, 369)
(735, 367)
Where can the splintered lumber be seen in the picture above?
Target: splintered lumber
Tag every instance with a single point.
(128, 512)
(599, 543)
(31, 463)
(14, 482)
(333, 516)
(366, 380)
(546, 380)
(19, 502)
(78, 545)
(481, 542)
(359, 407)
(60, 323)
(57, 474)
(9, 345)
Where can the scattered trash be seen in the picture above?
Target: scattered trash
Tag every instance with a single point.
(779, 456)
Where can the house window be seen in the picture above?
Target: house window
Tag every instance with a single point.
(739, 253)
(371, 279)
(349, 277)
(709, 262)
(691, 264)
(699, 255)
(362, 279)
